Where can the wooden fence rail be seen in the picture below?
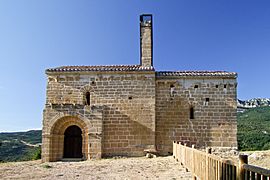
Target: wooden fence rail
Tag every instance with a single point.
(206, 166)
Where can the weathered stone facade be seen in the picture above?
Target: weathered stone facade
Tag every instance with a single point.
(213, 100)
(125, 109)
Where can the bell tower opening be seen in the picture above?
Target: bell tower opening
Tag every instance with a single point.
(73, 142)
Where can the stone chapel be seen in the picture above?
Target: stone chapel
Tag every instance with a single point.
(122, 110)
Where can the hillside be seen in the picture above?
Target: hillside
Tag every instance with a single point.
(20, 146)
(254, 129)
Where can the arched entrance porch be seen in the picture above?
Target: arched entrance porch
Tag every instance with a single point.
(53, 135)
(68, 139)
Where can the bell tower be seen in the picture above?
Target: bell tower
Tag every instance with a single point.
(146, 40)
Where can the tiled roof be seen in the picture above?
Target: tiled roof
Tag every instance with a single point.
(101, 68)
(196, 73)
(141, 68)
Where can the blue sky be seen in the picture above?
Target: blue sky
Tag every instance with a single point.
(231, 35)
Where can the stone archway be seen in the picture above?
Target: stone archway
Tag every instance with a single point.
(54, 128)
(73, 142)
(60, 130)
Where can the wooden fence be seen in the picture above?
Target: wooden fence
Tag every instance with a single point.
(205, 166)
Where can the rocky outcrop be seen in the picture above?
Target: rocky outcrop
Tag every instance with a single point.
(252, 103)
(255, 102)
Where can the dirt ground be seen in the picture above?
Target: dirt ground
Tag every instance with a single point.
(113, 168)
(259, 158)
(121, 168)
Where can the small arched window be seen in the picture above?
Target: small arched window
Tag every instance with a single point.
(172, 90)
(87, 98)
(191, 113)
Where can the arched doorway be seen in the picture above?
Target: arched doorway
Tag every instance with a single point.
(73, 142)
(57, 139)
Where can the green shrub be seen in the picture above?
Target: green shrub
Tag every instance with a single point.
(47, 166)
(37, 154)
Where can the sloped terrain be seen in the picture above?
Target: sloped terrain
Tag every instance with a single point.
(254, 129)
(20, 146)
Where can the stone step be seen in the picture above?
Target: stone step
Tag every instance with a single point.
(72, 159)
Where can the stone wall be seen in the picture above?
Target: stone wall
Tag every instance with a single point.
(133, 111)
(214, 104)
(127, 101)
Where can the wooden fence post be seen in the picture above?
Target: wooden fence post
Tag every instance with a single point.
(192, 162)
(177, 150)
(243, 159)
(174, 149)
(181, 153)
(185, 156)
(208, 151)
